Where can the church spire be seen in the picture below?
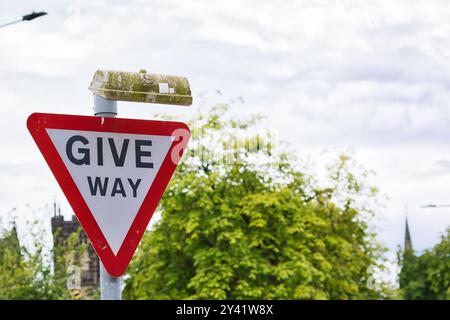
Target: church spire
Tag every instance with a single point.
(408, 242)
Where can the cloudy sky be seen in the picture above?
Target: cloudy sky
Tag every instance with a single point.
(327, 74)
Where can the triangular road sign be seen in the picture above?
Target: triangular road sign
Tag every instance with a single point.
(113, 172)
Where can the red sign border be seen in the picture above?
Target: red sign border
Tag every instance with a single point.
(37, 124)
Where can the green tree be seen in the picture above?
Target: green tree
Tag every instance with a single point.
(427, 276)
(247, 222)
(23, 273)
(15, 274)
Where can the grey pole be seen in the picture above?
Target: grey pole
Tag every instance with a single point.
(110, 287)
(10, 23)
(104, 108)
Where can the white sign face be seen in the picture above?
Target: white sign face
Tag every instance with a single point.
(113, 172)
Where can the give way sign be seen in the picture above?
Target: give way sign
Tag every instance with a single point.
(113, 172)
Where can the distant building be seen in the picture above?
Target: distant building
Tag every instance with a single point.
(408, 242)
(90, 268)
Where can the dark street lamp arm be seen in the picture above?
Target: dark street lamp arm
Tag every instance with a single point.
(435, 206)
(33, 15)
(26, 17)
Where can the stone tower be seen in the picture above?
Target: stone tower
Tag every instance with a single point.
(90, 268)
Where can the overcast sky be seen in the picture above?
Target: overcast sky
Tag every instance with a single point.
(327, 74)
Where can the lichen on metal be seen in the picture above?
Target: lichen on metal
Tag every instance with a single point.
(141, 87)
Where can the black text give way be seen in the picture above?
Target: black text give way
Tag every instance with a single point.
(88, 153)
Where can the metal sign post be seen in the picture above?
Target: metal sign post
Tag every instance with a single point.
(110, 287)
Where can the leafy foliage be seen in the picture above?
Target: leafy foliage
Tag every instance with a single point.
(427, 276)
(247, 223)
